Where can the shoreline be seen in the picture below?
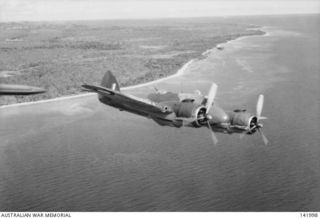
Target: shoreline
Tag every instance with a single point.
(176, 74)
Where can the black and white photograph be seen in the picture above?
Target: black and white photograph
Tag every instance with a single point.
(152, 106)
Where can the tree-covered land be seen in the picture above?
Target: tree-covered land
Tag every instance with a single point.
(60, 56)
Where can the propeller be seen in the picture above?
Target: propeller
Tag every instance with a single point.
(259, 107)
(258, 126)
(213, 136)
(210, 99)
(206, 119)
(211, 95)
(264, 138)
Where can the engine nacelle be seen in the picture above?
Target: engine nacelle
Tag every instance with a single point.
(190, 110)
(243, 120)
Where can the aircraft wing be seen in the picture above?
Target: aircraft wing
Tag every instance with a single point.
(98, 89)
(128, 101)
(16, 89)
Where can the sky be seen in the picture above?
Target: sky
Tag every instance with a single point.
(55, 10)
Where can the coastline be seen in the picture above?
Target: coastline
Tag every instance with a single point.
(176, 74)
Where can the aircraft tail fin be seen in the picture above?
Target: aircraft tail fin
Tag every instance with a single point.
(110, 81)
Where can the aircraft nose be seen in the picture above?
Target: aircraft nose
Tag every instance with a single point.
(218, 115)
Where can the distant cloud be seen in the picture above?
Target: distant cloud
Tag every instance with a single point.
(35, 10)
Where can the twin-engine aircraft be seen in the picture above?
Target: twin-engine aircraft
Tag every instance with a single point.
(182, 109)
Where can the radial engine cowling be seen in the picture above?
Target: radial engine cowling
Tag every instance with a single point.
(190, 110)
(245, 121)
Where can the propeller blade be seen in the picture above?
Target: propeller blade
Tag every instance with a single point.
(211, 95)
(264, 138)
(259, 105)
(185, 123)
(213, 136)
(262, 118)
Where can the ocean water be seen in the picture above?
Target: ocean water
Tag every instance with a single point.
(79, 155)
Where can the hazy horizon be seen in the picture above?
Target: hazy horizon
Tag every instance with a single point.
(68, 10)
(155, 19)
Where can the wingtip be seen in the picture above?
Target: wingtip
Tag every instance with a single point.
(86, 88)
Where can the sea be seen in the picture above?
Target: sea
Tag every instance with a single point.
(76, 154)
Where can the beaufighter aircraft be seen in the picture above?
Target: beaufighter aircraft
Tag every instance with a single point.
(177, 110)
